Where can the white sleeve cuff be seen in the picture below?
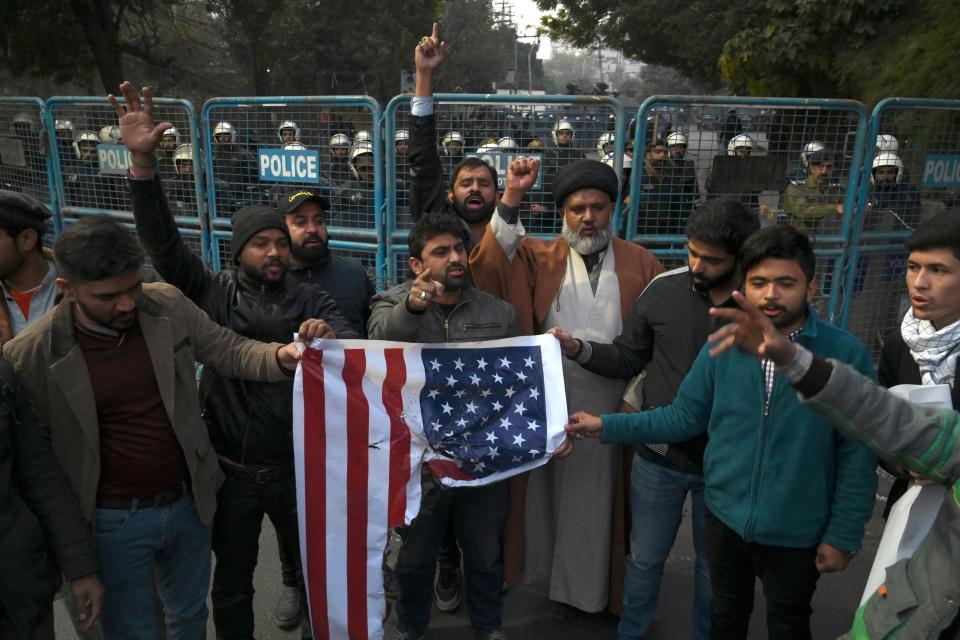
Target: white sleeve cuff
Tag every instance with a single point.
(508, 235)
(421, 105)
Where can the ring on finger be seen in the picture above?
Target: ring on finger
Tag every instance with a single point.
(423, 295)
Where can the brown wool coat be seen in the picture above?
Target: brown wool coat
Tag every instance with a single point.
(49, 361)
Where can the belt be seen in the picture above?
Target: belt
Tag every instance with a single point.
(158, 499)
(256, 475)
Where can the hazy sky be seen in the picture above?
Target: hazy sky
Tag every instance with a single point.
(527, 16)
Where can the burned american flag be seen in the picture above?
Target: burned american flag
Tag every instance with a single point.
(368, 413)
(484, 411)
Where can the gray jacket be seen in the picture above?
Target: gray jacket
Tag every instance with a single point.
(920, 597)
(478, 316)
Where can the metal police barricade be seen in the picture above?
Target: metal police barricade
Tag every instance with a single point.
(793, 161)
(261, 150)
(90, 163)
(498, 128)
(911, 172)
(24, 161)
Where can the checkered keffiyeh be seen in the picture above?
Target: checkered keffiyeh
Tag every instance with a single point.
(770, 369)
(935, 352)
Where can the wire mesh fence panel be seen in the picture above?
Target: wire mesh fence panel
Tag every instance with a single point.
(260, 151)
(193, 238)
(90, 162)
(911, 172)
(23, 150)
(792, 161)
(498, 128)
(878, 294)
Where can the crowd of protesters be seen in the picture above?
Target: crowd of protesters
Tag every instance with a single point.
(120, 474)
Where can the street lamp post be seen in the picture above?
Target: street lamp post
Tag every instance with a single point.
(529, 60)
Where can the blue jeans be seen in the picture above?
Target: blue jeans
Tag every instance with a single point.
(160, 549)
(657, 494)
(478, 515)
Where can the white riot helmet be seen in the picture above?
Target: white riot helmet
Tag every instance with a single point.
(63, 127)
(563, 125)
(295, 146)
(110, 134)
(607, 138)
(608, 160)
(85, 136)
(887, 159)
(359, 149)
(449, 138)
(172, 131)
(24, 119)
(402, 135)
(225, 128)
(183, 152)
(742, 141)
(288, 124)
(809, 149)
(339, 141)
(676, 138)
(489, 147)
(361, 136)
(887, 142)
(506, 143)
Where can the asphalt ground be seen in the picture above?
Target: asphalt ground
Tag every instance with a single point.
(527, 609)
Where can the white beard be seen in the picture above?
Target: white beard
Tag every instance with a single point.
(585, 246)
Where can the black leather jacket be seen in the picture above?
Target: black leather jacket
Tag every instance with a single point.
(40, 520)
(249, 422)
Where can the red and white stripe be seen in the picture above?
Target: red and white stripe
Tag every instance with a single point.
(358, 476)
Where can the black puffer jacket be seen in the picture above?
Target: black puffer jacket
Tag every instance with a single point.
(347, 282)
(250, 422)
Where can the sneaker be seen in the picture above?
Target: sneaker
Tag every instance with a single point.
(287, 613)
(493, 634)
(446, 589)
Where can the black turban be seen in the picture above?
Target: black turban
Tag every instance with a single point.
(584, 174)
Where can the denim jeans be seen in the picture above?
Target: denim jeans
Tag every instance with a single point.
(241, 505)
(788, 575)
(478, 515)
(159, 549)
(657, 494)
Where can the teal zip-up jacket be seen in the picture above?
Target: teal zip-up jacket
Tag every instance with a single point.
(775, 473)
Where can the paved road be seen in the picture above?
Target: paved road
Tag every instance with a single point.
(527, 610)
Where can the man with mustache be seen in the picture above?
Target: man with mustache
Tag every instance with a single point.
(472, 192)
(344, 279)
(471, 196)
(786, 498)
(250, 423)
(669, 324)
(586, 281)
(440, 305)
